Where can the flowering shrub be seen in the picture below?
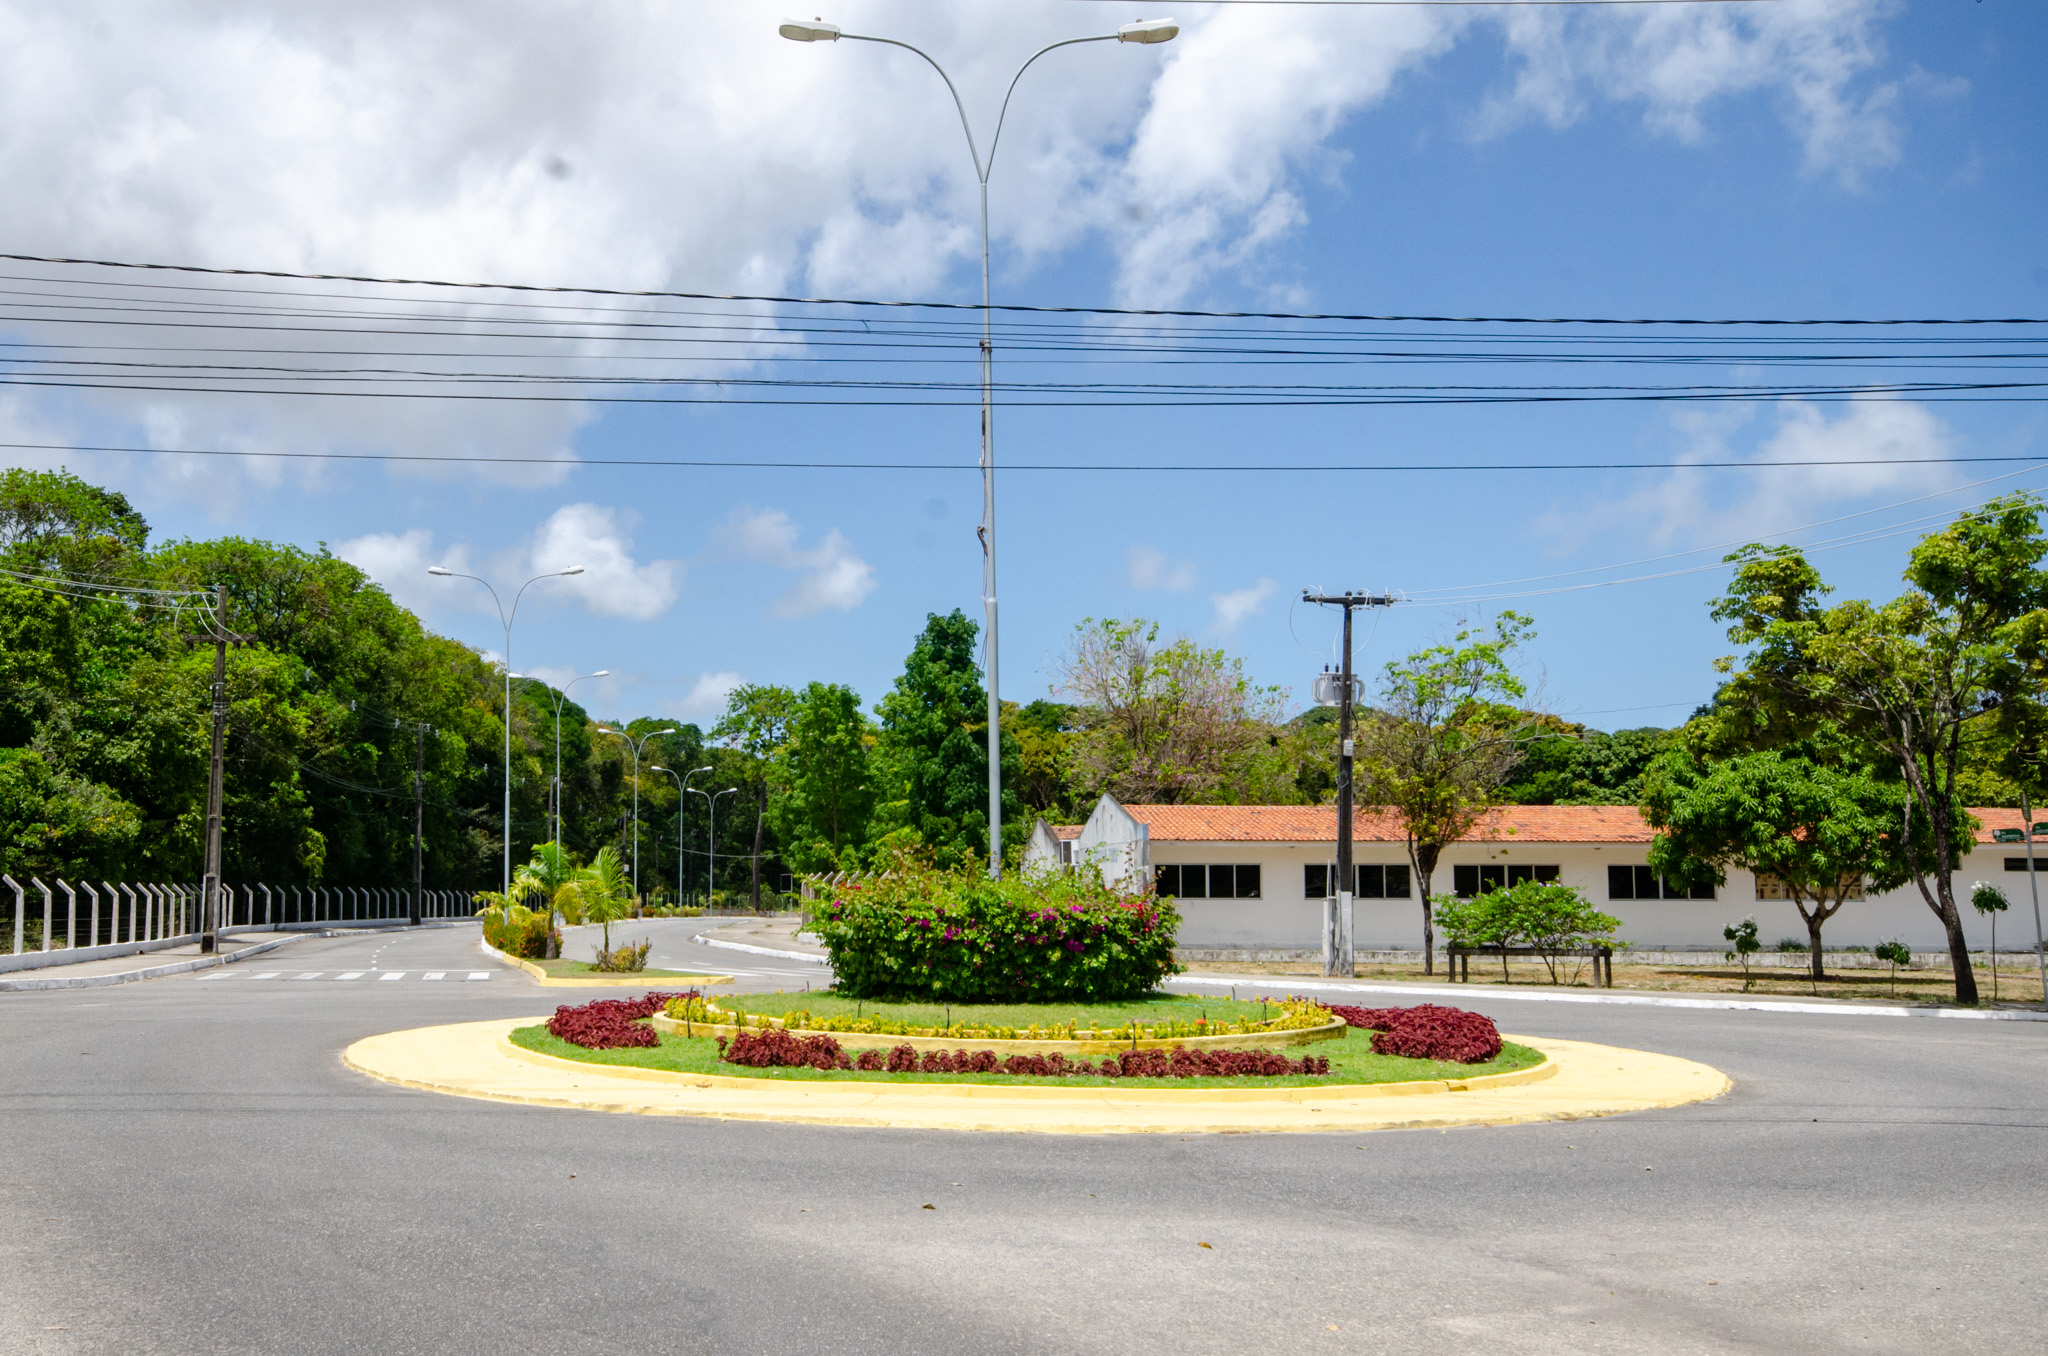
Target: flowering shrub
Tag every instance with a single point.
(625, 957)
(1292, 1014)
(610, 1023)
(1427, 1032)
(777, 1048)
(963, 938)
(525, 934)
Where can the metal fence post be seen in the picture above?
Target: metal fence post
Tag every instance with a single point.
(20, 907)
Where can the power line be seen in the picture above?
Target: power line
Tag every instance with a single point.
(1064, 467)
(977, 307)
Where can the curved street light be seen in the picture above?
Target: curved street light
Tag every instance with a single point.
(682, 788)
(505, 619)
(1146, 31)
(636, 747)
(560, 696)
(711, 839)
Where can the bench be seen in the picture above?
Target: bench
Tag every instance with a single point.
(1601, 956)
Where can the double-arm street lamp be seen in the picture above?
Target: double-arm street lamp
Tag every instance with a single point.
(711, 838)
(1144, 31)
(560, 697)
(505, 619)
(682, 787)
(636, 746)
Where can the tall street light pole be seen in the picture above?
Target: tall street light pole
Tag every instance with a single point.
(710, 838)
(560, 697)
(682, 852)
(636, 747)
(1144, 31)
(505, 619)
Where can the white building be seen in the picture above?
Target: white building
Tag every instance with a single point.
(1254, 877)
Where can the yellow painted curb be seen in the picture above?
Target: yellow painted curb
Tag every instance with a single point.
(553, 982)
(871, 1040)
(474, 1059)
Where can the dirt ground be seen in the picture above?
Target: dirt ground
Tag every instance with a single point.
(2017, 985)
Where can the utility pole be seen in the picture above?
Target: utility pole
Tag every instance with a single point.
(419, 811)
(1338, 957)
(220, 637)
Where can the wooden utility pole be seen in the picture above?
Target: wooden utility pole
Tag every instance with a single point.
(1338, 957)
(210, 910)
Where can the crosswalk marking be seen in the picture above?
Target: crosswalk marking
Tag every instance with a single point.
(435, 974)
(310, 974)
(352, 974)
(479, 974)
(469, 976)
(392, 974)
(267, 974)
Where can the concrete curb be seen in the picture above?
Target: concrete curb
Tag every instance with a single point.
(1307, 983)
(148, 972)
(467, 1060)
(546, 980)
(761, 950)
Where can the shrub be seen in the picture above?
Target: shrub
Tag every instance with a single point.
(610, 1023)
(1894, 953)
(1790, 945)
(625, 957)
(1540, 914)
(963, 938)
(1180, 1062)
(776, 1048)
(527, 933)
(1427, 1031)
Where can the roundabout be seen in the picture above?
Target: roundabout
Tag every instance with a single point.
(1577, 1080)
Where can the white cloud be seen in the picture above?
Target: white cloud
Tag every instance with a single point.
(1154, 569)
(398, 561)
(1234, 606)
(707, 696)
(830, 576)
(1694, 505)
(612, 583)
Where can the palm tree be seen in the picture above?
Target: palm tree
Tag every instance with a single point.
(552, 875)
(603, 892)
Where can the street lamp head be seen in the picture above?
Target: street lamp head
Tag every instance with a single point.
(578, 569)
(670, 730)
(439, 569)
(1147, 30)
(602, 673)
(817, 30)
(606, 730)
(656, 767)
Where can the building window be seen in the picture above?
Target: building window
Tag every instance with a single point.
(1382, 882)
(1467, 881)
(1315, 882)
(1642, 882)
(1187, 881)
(1770, 887)
(1066, 852)
(2015, 863)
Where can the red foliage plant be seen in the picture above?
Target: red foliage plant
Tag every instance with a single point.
(777, 1048)
(1427, 1032)
(611, 1023)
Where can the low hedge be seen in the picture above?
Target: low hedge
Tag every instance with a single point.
(525, 934)
(1427, 1032)
(776, 1048)
(960, 937)
(611, 1023)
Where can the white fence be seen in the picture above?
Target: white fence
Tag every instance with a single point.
(63, 923)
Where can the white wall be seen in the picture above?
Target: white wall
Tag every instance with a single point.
(1282, 919)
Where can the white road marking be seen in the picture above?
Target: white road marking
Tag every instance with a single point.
(310, 974)
(435, 974)
(479, 974)
(218, 975)
(352, 974)
(392, 974)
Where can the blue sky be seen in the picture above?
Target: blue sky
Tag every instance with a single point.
(1821, 158)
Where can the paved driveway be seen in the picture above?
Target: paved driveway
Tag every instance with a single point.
(190, 1169)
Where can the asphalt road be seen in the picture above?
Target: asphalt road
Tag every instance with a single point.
(189, 1168)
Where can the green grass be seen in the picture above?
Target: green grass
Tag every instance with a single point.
(575, 969)
(1086, 1016)
(1351, 1061)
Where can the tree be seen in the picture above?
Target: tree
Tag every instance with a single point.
(824, 766)
(1826, 833)
(1915, 678)
(1045, 732)
(1162, 725)
(1742, 936)
(1571, 765)
(932, 751)
(1893, 953)
(604, 892)
(1543, 915)
(1438, 749)
(756, 724)
(1990, 901)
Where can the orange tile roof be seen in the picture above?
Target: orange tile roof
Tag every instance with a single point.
(1372, 824)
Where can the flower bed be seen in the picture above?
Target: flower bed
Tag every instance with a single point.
(776, 1048)
(611, 1023)
(1427, 1032)
(1293, 1014)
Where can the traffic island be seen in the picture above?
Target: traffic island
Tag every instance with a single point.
(1575, 1080)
